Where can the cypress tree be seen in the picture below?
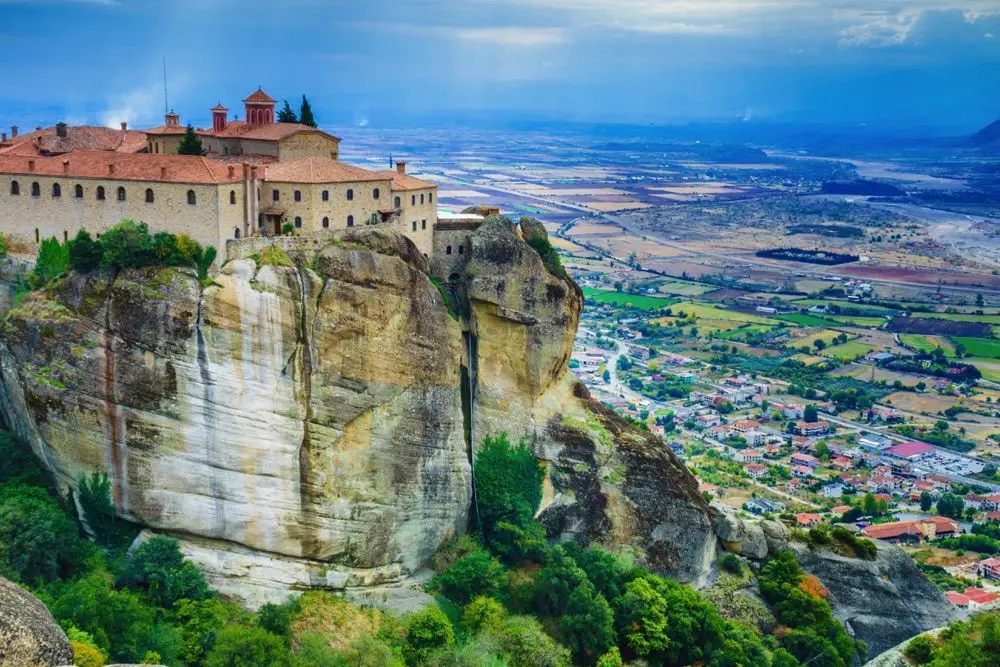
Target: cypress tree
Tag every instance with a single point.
(191, 143)
(306, 114)
(286, 115)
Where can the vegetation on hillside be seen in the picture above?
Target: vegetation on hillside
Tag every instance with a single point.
(973, 643)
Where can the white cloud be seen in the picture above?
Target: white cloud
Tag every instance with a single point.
(988, 35)
(140, 106)
(881, 30)
(106, 3)
(522, 37)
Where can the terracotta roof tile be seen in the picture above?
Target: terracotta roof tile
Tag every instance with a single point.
(319, 170)
(268, 132)
(403, 182)
(78, 137)
(259, 97)
(127, 167)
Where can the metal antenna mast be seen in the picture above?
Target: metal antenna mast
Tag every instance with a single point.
(166, 106)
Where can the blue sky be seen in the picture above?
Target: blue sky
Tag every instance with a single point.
(904, 63)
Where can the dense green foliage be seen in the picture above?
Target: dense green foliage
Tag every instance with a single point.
(973, 643)
(52, 261)
(190, 143)
(306, 114)
(550, 258)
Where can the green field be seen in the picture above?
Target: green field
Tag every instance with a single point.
(804, 319)
(880, 310)
(961, 317)
(858, 320)
(990, 368)
(702, 311)
(827, 336)
(927, 344)
(848, 351)
(640, 301)
(980, 347)
(684, 288)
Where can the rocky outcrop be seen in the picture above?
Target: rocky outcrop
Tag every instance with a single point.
(885, 601)
(738, 536)
(607, 482)
(29, 636)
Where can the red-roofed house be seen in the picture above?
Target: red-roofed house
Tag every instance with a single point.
(957, 599)
(913, 531)
(748, 456)
(980, 599)
(801, 471)
(755, 470)
(807, 519)
(804, 460)
(989, 568)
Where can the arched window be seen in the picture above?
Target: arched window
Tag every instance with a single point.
(298, 222)
(398, 203)
(192, 199)
(121, 193)
(232, 198)
(36, 189)
(326, 222)
(15, 188)
(421, 199)
(100, 192)
(461, 250)
(78, 191)
(326, 195)
(56, 190)
(275, 195)
(375, 193)
(236, 232)
(350, 194)
(413, 200)
(149, 195)
(298, 195)
(350, 221)
(447, 250)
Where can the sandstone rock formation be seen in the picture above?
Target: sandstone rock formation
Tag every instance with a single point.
(29, 636)
(302, 423)
(883, 602)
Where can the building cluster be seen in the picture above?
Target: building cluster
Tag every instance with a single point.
(258, 177)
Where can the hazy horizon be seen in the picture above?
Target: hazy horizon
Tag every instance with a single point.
(894, 65)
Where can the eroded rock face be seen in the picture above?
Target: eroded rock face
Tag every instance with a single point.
(607, 482)
(312, 413)
(29, 636)
(883, 602)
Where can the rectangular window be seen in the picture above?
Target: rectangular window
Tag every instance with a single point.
(414, 225)
(423, 224)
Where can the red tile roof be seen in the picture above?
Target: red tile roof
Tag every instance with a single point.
(127, 167)
(979, 596)
(319, 170)
(910, 449)
(406, 182)
(957, 599)
(268, 132)
(259, 97)
(78, 137)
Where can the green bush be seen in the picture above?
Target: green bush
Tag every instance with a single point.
(525, 644)
(475, 574)
(94, 495)
(426, 631)
(52, 261)
(731, 563)
(556, 582)
(238, 646)
(612, 658)
(587, 625)
(37, 537)
(508, 490)
(550, 258)
(920, 650)
(483, 615)
(86, 655)
(84, 252)
(19, 463)
(158, 568)
(276, 619)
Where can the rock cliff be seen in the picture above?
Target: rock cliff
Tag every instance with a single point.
(302, 421)
(29, 636)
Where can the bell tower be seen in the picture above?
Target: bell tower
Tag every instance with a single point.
(259, 108)
(219, 117)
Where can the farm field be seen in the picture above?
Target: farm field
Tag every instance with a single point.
(703, 311)
(827, 336)
(848, 351)
(805, 319)
(621, 299)
(990, 368)
(844, 304)
(858, 320)
(925, 404)
(927, 344)
(809, 359)
(980, 347)
(683, 288)
(875, 374)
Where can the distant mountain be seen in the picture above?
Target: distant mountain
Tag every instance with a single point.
(988, 137)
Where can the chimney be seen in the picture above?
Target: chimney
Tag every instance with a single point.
(13, 131)
(400, 167)
(124, 126)
(61, 130)
(111, 170)
(163, 173)
(65, 166)
(219, 117)
(232, 171)
(31, 165)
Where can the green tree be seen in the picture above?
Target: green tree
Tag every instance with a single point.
(84, 252)
(276, 619)
(37, 538)
(612, 658)
(306, 114)
(556, 582)
(286, 115)
(127, 244)
(238, 646)
(483, 615)
(869, 505)
(158, 568)
(941, 425)
(920, 650)
(823, 451)
(926, 501)
(508, 492)
(470, 576)
(94, 495)
(810, 414)
(200, 621)
(525, 644)
(587, 624)
(426, 632)
(52, 261)
(190, 143)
